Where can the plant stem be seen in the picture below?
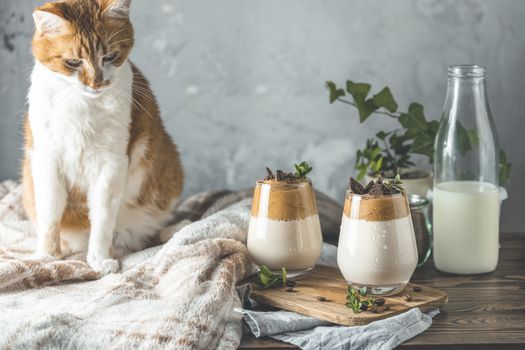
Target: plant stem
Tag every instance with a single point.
(395, 116)
(388, 152)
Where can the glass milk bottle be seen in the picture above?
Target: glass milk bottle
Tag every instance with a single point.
(466, 186)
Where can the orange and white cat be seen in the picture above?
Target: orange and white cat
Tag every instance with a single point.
(100, 172)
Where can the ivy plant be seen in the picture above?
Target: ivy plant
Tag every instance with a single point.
(392, 150)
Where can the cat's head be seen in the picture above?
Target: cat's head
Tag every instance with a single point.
(85, 41)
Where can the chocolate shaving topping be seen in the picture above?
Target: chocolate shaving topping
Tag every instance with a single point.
(302, 170)
(269, 175)
(369, 186)
(377, 187)
(356, 187)
(380, 177)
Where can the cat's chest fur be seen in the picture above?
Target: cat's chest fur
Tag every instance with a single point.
(80, 134)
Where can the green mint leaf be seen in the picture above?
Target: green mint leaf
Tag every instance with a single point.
(385, 99)
(302, 169)
(269, 279)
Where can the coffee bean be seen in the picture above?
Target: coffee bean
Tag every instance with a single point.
(321, 298)
(290, 283)
(417, 289)
(289, 289)
(364, 306)
(379, 301)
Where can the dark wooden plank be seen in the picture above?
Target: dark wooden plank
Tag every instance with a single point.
(250, 342)
(484, 311)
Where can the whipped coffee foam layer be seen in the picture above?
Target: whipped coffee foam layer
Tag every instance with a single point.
(294, 244)
(284, 200)
(377, 252)
(376, 208)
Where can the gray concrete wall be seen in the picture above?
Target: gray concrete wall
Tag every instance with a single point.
(240, 83)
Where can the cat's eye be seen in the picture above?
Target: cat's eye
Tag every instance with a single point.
(110, 57)
(73, 63)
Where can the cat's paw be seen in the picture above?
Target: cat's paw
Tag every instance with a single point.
(103, 266)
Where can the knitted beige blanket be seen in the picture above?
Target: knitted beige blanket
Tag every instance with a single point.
(179, 295)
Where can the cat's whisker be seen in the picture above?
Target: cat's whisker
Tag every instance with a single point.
(120, 41)
(145, 92)
(106, 41)
(122, 93)
(147, 97)
(142, 87)
(140, 106)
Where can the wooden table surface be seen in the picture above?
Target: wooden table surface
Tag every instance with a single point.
(484, 311)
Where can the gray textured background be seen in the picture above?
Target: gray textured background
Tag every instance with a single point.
(241, 83)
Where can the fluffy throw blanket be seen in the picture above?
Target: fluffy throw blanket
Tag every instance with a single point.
(177, 295)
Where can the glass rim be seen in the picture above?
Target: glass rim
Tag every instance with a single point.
(305, 180)
(416, 201)
(467, 71)
(370, 196)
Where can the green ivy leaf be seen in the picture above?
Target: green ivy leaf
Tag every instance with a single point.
(381, 135)
(473, 136)
(385, 99)
(463, 139)
(423, 144)
(504, 168)
(416, 110)
(378, 165)
(366, 109)
(413, 121)
(335, 92)
(362, 171)
(359, 91)
(433, 126)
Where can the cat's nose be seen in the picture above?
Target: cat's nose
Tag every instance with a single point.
(98, 84)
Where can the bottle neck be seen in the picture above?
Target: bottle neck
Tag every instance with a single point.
(469, 92)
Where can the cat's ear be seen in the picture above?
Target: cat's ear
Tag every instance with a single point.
(116, 8)
(49, 23)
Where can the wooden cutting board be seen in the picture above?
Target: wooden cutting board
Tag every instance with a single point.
(329, 283)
